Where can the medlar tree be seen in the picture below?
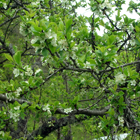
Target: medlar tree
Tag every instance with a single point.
(56, 71)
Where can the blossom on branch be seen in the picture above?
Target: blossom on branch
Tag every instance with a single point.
(16, 72)
(133, 83)
(68, 110)
(120, 78)
(121, 121)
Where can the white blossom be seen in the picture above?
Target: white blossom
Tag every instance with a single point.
(51, 70)
(26, 82)
(86, 65)
(22, 29)
(2, 133)
(83, 80)
(18, 92)
(16, 72)
(68, 110)
(35, 3)
(14, 115)
(49, 113)
(121, 121)
(29, 71)
(41, 58)
(9, 96)
(132, 42)
(50, 123)
(54, 36)
(99, 125)
(37, 71)
(133, 83)
(5, 5)
(120, 78)
(75, 48)
(48, 34)
(34, 40)
(106, 5)
(53, 42)
(73, 55)
(46, 107)
(132, 36)
(63, 44)
(17, 107)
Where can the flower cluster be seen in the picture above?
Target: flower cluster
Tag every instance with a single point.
(51, 35)
(16, 72)
(106, 5)
(68, 110)
(133, 83)
(64, 2)
(100, 125)
(121, 121)
(4, 5)
(63, 44)
(38, 71)
(23, 29)
(14, 114)
(29, 71)
(120, 78)
(51, 70)
(13, 95)
(47, 108)
(87, 65)
(2, 133)
(48, 35)
(50, 123)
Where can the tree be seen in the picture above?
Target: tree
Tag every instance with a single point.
(56, 71)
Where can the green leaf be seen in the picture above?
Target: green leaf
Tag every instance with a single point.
(137, 29)
(72, 44)
(8, 65)
(92, 62)
(52, 49)
(120, 93)
(121, 100)
(61, 25)
(111, 40)
(118, 18)
(22, 115)
(2, 91)
(68, 23)
(44, 52)
(101, 22)
(36, 28)
(53, 26)
(76, 99)
(44, 24)
(31, 22)
(126, 20)
(17, 57)
(9, 57)
(98, 53)
(30, 81)
(24, 105)
(82, 58)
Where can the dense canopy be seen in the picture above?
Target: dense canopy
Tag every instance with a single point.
(60, 79)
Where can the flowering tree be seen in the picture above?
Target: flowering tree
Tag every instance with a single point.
(56, 71)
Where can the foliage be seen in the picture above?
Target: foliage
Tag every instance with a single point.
(59, 77)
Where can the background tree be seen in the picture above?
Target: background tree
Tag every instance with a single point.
(59, 75)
